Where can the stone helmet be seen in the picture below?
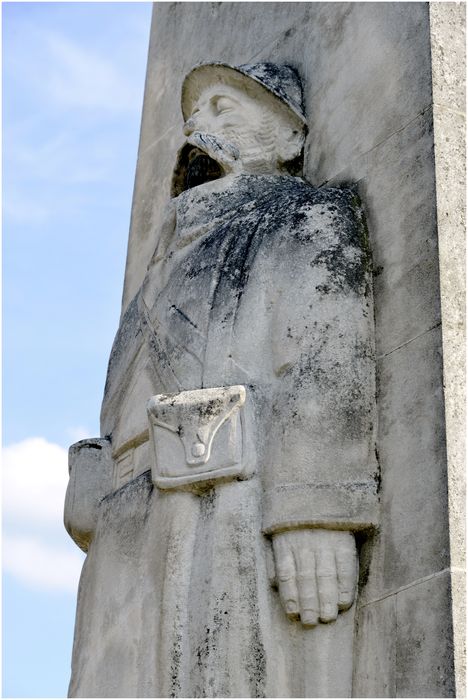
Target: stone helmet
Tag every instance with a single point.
(281, 81)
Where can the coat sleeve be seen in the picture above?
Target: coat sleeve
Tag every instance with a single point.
(320, 468)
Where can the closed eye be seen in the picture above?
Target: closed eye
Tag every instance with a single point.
(222, 104)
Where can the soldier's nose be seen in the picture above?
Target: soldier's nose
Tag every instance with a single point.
(189, 126)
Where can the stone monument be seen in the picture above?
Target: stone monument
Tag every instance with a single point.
(239, 468)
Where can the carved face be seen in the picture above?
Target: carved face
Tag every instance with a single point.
(241, 130)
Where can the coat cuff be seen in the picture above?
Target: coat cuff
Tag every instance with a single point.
(346, 506)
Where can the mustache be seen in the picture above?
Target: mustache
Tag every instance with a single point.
(219, 149)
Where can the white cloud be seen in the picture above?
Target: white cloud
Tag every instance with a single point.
(36, 549)
(35, 478)
(40, 565)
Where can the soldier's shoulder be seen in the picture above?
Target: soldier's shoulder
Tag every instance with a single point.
(341, 200)
(325, 231)
(319, 216)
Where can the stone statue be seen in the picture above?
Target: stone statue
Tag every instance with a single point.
(219, 510)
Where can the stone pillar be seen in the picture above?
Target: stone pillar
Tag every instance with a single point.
(447, 23)
(382, 94)
(383, 85)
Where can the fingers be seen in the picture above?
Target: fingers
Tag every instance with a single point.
(316, 572)
(307, 589)
(286, 577)
(346, 568)
(327, 585)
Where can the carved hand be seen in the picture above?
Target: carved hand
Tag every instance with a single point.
(316, 572)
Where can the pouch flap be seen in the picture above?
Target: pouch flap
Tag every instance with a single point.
(195, 416)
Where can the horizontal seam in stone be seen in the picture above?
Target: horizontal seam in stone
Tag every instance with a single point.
(446, 108)
(381, 357)
(411, 585)
(365, 153)
(397, 131)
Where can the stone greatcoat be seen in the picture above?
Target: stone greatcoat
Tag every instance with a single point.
(262, 281)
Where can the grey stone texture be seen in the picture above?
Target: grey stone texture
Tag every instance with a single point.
(370, 72)
(91, 478)
(385, 110)
(406, 639)
(303, 464)
(447, 24)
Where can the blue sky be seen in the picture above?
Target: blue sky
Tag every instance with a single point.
(73, 78)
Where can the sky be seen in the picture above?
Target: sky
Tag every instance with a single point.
(73, 79)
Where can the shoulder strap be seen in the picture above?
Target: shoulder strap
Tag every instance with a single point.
(162, 367)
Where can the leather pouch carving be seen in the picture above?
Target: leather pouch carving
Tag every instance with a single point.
(199, 436)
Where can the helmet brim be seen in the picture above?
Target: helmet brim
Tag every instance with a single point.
(206, 74)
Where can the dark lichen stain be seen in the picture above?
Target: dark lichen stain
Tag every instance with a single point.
(268, 213)
(254, 650)
(348, 260)
(209, 647)
(365, 543)
(176, 658)
(376, 271)
(281, 209)
(208, 504)
(212, 407)
(378, 472)
(260, 214)
(224, 258)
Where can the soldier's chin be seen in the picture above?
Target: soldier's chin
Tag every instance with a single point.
(203, 158)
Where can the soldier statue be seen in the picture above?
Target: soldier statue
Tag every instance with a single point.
(219, 508)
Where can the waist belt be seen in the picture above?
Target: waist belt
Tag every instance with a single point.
(199, 437)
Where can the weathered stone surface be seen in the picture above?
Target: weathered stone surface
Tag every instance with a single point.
(447, 24)
(414, 658)
(151, 193)
(170, 27)
(458, 596)
(368, 94)
(109, 644)
(199, 437)
(375, 670)
(448, 31)
(424, 653)
(400, 178)
(354, 99)
(342, 83)
(412, 460)
(91, 472)
(256, 431)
